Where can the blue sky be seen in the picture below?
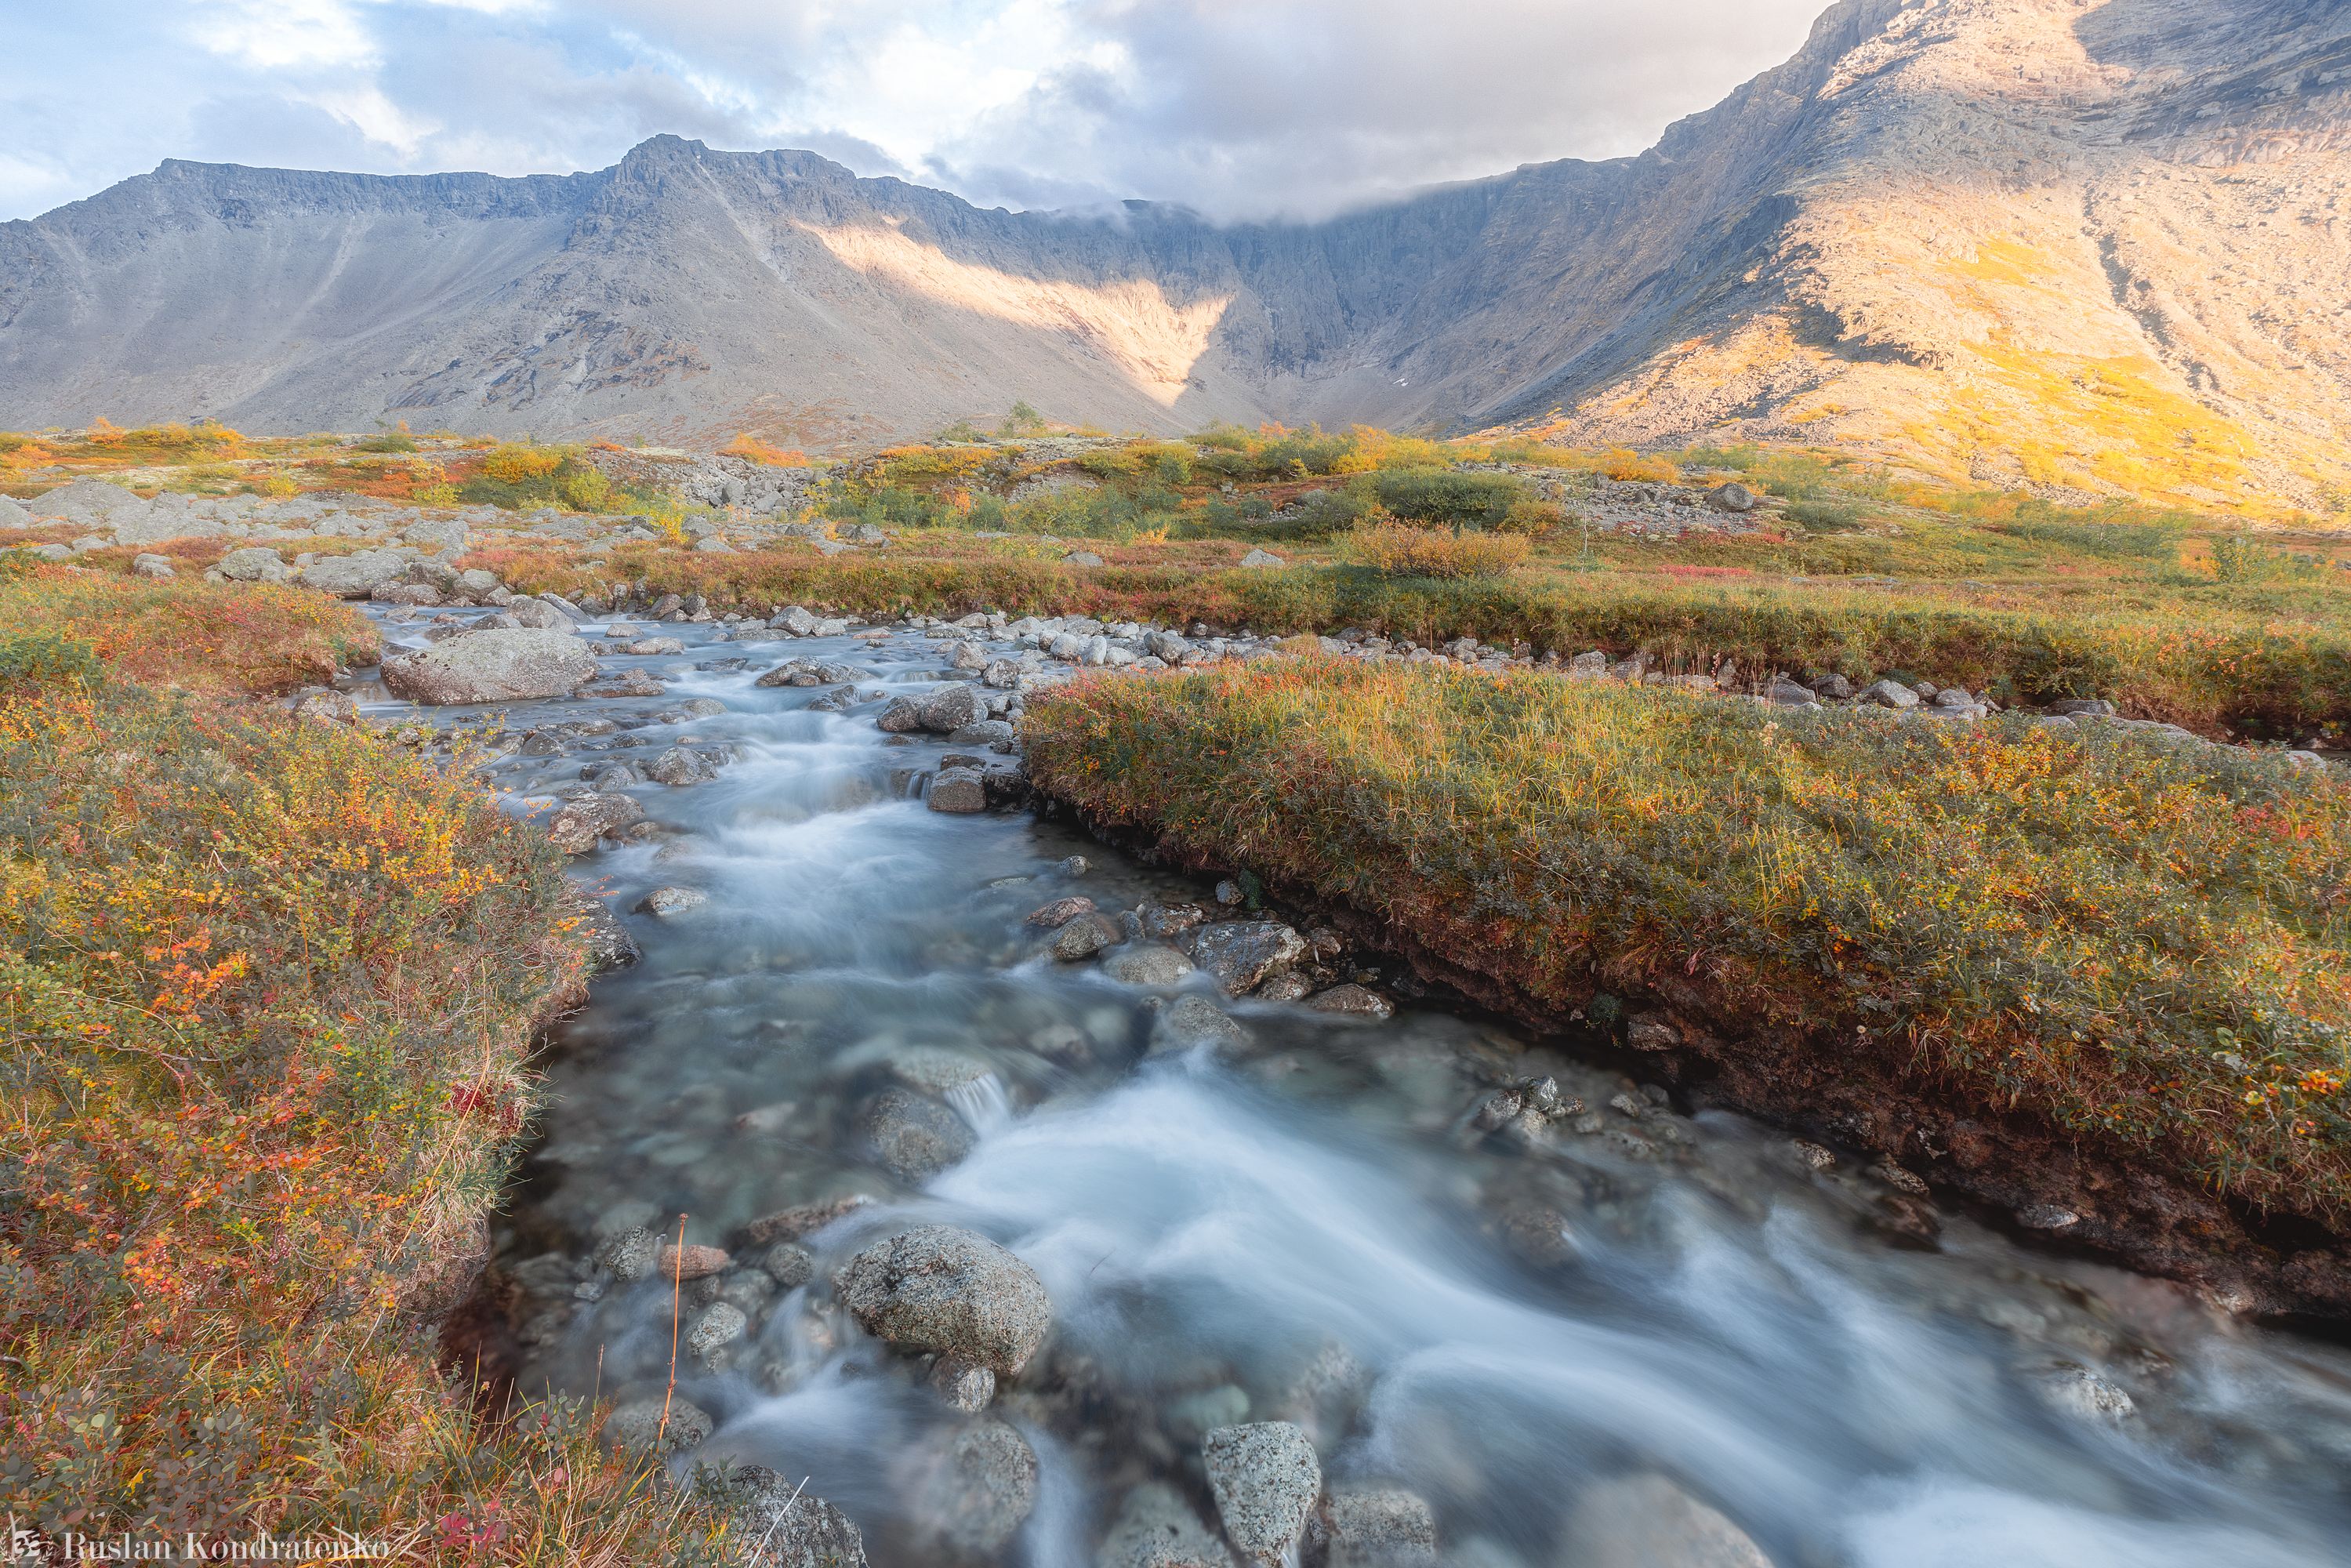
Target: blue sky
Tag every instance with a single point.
(1241, 108)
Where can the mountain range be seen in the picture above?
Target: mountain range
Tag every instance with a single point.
(2092, 245)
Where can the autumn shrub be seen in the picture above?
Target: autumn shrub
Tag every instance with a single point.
(1402, 551)
(2142, 943)
(209, 637)
(1455, 497)
(752, 449)
(266, 988)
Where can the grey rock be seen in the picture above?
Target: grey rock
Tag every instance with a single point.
(538, 615)
(714, 1331)
(1376, 1527)
(1262, 558)
(155, 565)
(1888, 693)
(987, 732)
(1266, 1479)
(1084, 936)
(802, 1220)
(774, 1523)
(632, 1254)
(1732, 496)
(796, 620)
(2082, 707)
(943, 1288)
(575, 827)
(963, 1386)
(1082, 557)
(254, 563)
(961, 791)
(1061, 911)
(1155, 1527)
(492, 666)
(916, 1136)
(972, 1491)
(2078, 1392)
(1648, 1521)
(656, 1427)
(356, 575)
(668, 901)
(680, 766)
(1242, 954)
(1196, 1020)
(790, 1264)
(609, 946)
(1146, 964)
(1354, 1001)
(1834, 686)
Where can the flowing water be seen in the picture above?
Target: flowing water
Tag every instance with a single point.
(1305, 1226)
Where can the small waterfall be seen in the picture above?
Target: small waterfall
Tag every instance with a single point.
(983, 1102)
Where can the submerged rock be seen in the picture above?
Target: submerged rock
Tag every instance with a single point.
(1644, 1522)
(1196, 1020)
(1155, 1527)
(775, 1525)
(1376, 1527)
(940, 1288)
(1266, 1477)
(1352, 1000)
(914, 1137)
(664, 902)
(791, 1224)
(656, 1427)
(973, 1495)
(1147, 964)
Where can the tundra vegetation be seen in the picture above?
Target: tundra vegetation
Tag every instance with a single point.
(2140, 942)
(265, 989)
(266, 984)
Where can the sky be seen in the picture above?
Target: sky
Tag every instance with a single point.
(1242, 109)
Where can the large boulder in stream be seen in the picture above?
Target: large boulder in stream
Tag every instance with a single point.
(510, 664)
(1266, 1479)
(949, 708)
(940, 1288)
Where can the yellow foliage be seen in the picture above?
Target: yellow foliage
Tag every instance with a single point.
(519, 464)
(1402, 551)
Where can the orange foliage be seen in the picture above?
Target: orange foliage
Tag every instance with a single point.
(748, 445)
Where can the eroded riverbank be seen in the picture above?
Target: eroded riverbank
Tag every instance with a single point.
(1548, 1338)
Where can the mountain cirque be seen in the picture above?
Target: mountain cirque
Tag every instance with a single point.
(2094, 245)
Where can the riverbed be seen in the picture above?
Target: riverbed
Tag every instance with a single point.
(1554, 1333)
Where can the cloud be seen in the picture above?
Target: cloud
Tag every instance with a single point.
(1240, 108)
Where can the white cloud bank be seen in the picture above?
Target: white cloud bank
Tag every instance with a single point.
(1240, 108)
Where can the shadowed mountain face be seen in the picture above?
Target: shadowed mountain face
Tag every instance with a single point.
(2092, 244)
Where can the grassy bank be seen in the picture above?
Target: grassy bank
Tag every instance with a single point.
(2214, 670)
(2144, 946)
(265, 989)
